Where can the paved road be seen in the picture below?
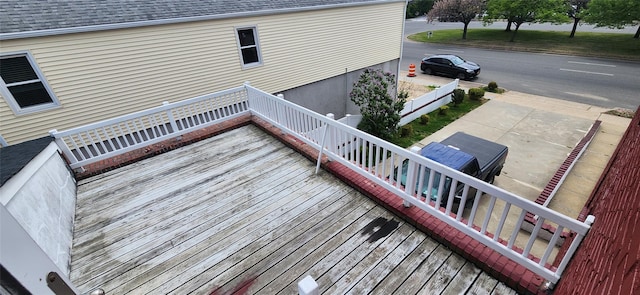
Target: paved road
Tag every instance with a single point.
(600, 82)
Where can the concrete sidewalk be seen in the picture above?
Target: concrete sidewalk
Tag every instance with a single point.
(540, 132)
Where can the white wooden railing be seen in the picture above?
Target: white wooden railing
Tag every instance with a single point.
(105, 139)
(369, 156)
(359, 151)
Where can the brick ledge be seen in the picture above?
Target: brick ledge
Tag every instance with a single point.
(497, 265)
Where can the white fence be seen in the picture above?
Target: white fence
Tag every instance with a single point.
(351, 120)
(101, 140)
(416, 107)
(369, 156)
(378, 161)
(427, 103)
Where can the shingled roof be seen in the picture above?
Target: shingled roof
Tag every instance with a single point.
(17, 16)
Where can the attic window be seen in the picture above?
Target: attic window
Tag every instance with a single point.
(249, 47)
(23, 86)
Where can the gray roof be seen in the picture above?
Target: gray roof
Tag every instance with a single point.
(19, 16)
(15, 157)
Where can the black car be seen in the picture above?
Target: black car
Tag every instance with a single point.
(451, 65)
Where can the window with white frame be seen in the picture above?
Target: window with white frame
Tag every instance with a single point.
(23, 85)
(249, 47)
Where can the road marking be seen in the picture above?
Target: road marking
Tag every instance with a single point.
(591, 64)
(586, 72)
(456, 51)
(589, 96)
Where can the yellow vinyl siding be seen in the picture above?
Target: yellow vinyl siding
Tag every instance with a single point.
(100, 75)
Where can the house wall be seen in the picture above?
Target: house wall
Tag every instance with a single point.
(332, 95)
(99, 75)
(42, 198)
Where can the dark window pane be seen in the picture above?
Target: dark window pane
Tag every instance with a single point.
(246, 37)
(30, 94)
(16, 69)
(250, 55)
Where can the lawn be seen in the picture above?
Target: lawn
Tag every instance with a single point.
(437, 121)
(608, 45)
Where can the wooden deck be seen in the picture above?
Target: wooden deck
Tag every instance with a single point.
(241, 212)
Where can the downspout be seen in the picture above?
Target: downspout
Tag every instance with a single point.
(346, 90)
(404, 14)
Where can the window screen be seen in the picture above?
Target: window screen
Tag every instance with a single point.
(249, 48)
(22, 86)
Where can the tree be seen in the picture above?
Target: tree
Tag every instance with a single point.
(457, 10)
(374, 93)
(509, 22)
(575, 9)
(526, 11)
(418, 7)
(613, 14)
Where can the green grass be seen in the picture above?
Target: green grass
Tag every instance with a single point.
(436, 122)
(608, 45)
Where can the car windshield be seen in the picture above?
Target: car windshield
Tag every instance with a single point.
(456, 60)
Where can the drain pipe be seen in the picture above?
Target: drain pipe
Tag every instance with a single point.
(404, 15)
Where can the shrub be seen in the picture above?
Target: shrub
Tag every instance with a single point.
(476, 93)
(403, 94)
(406, 130)
(424, 119)
(458, 96)
(380, 110)
(443, 110)
(492, 86)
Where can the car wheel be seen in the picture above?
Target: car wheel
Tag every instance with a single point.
(491, 178)
(427, 71)
(461, 76)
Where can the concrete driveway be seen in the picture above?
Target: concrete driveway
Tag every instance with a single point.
(540, 132)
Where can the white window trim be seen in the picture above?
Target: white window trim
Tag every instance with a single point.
(257, 40)
(13, 104)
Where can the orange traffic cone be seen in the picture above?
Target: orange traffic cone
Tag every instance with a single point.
(412, 70)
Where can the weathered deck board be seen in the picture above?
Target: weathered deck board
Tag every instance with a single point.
(252, 263)
(242, 212)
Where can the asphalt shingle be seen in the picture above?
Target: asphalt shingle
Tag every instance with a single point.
(14, 157)
(34, 15)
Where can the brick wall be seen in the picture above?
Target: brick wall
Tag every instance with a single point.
(161, 147)
(608, 260)
(499, 266)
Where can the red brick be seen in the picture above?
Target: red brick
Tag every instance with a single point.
(464, 245)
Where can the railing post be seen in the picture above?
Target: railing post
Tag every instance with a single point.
(411, 173)
(573, 247)
(63, 147)
(280, 114)
(322, 142)
(172, 120)
(247, 89)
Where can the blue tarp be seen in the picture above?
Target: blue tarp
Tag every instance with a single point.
(446, 155)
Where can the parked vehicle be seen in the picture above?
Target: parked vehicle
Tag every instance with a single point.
(450, 65)
(469, 154)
